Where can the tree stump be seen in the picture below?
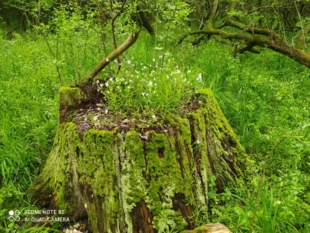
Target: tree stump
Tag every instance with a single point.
(130, 177)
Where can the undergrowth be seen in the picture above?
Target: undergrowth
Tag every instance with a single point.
(265, 98)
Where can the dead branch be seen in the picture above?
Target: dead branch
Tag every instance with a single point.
(112, 56)
(272, 43)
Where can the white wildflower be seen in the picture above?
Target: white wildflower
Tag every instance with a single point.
(199, 78)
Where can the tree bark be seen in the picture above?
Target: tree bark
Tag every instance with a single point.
(132, 179)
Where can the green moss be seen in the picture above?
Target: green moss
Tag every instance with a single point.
(165, 180)
(184, 126)
(112, 172)
(171, 120)
(97, 170)
(96, 160)
(133, 168)
(70, 96)
(61, 162)
(221, 128)
(151, 173)
(199, 133)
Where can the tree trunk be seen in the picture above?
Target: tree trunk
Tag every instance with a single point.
(133, 179)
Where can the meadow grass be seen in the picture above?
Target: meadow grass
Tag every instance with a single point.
(264, 97)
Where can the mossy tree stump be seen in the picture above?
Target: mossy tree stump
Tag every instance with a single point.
(130, 178)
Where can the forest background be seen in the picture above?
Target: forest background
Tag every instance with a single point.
(263, 92)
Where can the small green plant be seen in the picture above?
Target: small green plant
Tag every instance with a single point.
(151, 90)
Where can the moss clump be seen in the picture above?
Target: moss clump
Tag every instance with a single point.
(70, 99)
(70, 96)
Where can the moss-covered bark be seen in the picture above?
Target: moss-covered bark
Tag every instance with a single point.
(127, 183)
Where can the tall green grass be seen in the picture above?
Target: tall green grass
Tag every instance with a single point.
(266, 99)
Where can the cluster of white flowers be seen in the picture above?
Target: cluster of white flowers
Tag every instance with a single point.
(199, 78)
(161, 82)
(145, 94)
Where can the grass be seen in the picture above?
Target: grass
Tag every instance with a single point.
(265, 98)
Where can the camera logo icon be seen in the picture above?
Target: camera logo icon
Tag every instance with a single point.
(14, 215)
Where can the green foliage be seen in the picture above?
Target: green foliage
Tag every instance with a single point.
(281, 205)
(28, 101)
(267, 104)
(265, 98)
(153, 89)
(12, 198)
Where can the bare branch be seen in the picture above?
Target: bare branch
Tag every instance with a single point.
(260, 31)
(252, 36)
(213, 13)
(113, 29)
(117, 52)
(247, 47)
(274, 44)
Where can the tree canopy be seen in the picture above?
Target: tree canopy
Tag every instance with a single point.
(282, 26)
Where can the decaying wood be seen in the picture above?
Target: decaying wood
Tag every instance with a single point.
(138, 179)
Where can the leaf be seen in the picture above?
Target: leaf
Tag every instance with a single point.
(171, 7)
